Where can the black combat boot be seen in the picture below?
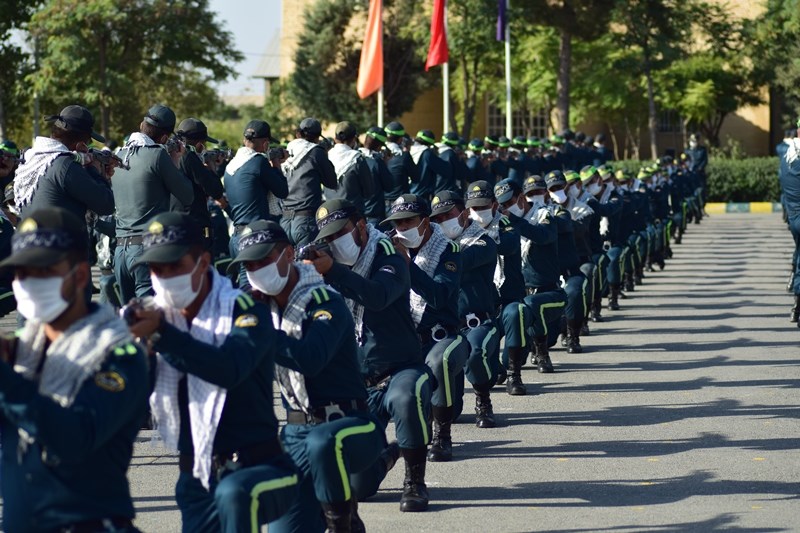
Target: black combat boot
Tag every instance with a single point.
(574, 336)
(514, 385)
(628, 281)
(484, 415)
(613, 297)
(638, 276)
(564, 335)
(543, 362)
(356, 524)
(502, 375)
(415, 493)
(441, 444)
(585, 327)
(597, 307)
(795, 310)
(390, 455)
(338, 516)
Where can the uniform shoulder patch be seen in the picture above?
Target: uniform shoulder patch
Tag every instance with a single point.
(244, 301)
(246, 321)
(505, 221)
(389, 269)
(455, 247)
(110, 381)
(386, 246)
(125, 350)
(451, 266)
(321, 314)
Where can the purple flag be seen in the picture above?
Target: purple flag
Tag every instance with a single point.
(501, 20)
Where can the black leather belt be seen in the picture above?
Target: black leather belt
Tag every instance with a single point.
(95, 526)
(288, 213)
(326, 413)
(223, 463)
(133, 239)
(537, 290)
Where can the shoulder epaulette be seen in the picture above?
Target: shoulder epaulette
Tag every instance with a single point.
(320, 295)
(387, 247)
(126, 349)
(244, 301)
(455, 247)
(505, 221)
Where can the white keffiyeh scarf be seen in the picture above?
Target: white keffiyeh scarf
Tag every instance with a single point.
(344, 159)
(291, 382)
(417, 150)
(793, 152)
(212, 325)
(394, 148)
(604, 198)
(427, 259)
(362, 267)
(135, 141)
(37, 160)
(243, 155)
(298, 150)
(493, 231)
(70, 360)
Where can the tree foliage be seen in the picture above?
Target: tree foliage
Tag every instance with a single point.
(323, 83)
(121, 57)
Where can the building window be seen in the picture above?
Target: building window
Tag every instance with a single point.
(532, 124)
(669, 121)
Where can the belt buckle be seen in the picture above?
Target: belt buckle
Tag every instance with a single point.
(438, 333)
(333, 412)
(473, 321)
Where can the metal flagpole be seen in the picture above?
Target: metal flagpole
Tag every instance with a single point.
(380, 107)
(446, 83)
(508, 73)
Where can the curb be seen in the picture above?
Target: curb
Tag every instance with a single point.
(761, 208)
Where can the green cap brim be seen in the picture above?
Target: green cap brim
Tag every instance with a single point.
(332, 228)
(256, 252)
(33, 257)
(167, 253)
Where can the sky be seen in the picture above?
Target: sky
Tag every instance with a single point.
(252, 23)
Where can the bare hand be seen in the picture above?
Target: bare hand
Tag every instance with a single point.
(148, 322)
(178, 154)
(322, 262)
(222, 202)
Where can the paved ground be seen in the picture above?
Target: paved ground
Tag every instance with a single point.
(682, 415)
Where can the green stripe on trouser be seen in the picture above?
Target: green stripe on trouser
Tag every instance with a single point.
(259, 489)
(446, 364)
(446, 359)
(340, 436)
(418, 391)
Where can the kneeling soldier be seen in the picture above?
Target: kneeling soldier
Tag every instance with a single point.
(213, 390)
(330, 433)
(73, 389)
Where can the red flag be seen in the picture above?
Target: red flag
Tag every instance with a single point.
(370, 69)
(437, 53)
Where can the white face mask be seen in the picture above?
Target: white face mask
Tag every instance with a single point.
(177, 291)
(692, 144)
(558, 197)
(573, 192)
(516, 210)
(267, 279)
(594, 189)
(412, 238)
(40, 298)
(345, 250)
(452, 228)
(483, 217)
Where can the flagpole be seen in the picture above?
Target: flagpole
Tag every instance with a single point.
(509, 133)
(380, 107)
(446, 83)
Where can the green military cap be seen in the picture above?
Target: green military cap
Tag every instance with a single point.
(479, 194)
(10, 147)
(554, 179)
(534, 141)
(490, 141)
(621, 175)
(257, 241)
(377, 133)
(644, 173)
(45, 238)
(605, 172)
(426, 135)
(534, 183)
(408, 206)
(571, 176)
(333, 215)
(475, 144)
(587, 173)
(444, 201)
(395, 128)
(451, 138)
(520, 141)
(506, 189)
(503, 142)
(169, 237)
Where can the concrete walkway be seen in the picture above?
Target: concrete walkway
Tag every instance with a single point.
(682, 415)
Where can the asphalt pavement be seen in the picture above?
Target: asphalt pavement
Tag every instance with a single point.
(681, 415)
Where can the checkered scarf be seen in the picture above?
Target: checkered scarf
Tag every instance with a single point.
(291, 382)
(37, 160)
(212, 325)
(362, 267)
(427, 259)
(493, 231)
(793, 153)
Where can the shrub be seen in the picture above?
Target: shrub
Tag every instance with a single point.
(733, 180)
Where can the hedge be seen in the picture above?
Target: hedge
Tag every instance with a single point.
(734, 180)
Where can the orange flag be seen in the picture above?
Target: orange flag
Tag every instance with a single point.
(370, 69)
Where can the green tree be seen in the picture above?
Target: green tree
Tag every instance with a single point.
(573, 20)
(14, 62)
(323, 83)
(121, 57)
